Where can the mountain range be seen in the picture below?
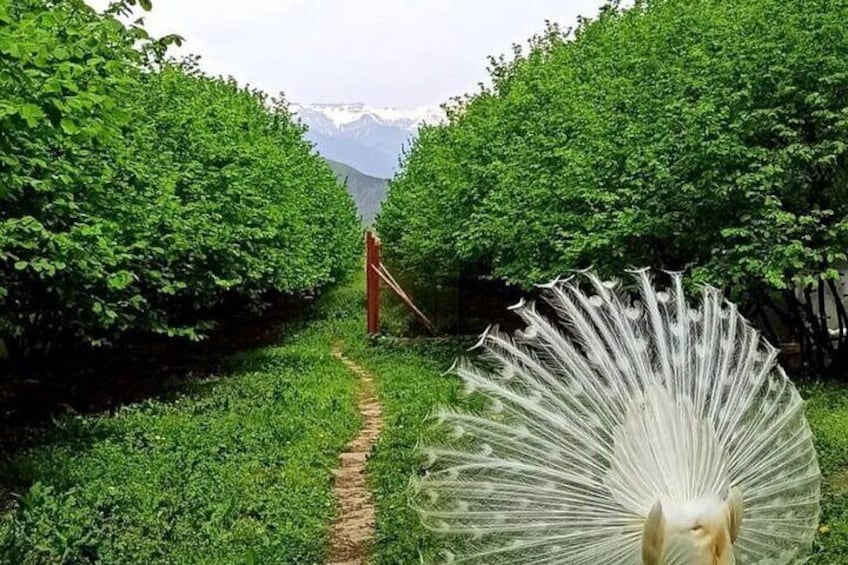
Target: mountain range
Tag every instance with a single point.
(368, 138)
(363, 144)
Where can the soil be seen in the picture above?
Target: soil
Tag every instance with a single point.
(352, 532)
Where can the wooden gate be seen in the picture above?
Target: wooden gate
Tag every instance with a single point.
(375, 273)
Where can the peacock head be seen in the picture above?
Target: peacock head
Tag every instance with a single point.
(700, 532)
(667, 458)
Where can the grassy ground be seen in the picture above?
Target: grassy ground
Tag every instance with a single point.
(827, 410)
(234, 469)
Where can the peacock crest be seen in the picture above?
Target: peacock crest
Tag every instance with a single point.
(625, 429)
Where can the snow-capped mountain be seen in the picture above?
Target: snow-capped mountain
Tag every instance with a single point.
(370, 139)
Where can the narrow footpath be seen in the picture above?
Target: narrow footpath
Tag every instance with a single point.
(352, 532)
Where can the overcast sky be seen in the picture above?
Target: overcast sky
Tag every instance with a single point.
(400, 53)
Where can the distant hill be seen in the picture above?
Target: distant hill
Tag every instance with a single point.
(368, 192)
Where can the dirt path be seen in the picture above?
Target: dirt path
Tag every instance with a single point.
(352, 532)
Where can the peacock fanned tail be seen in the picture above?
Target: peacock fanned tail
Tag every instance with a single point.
(625, 430)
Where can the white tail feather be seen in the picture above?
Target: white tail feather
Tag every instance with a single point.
(612, 409)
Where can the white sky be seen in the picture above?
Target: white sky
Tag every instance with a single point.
(400, 53)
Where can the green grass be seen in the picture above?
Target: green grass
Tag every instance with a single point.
(234, 469)
(237, 469)
(827, 410)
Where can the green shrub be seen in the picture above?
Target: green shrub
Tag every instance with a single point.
(137, 194)
(708, 135)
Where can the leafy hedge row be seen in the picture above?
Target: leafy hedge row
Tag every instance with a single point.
(136, 194)
(702, 134)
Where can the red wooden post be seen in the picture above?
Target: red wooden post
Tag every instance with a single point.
(372, 282)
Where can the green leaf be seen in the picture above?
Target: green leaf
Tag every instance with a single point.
(69, 126)
(31, 113)
(120, 280)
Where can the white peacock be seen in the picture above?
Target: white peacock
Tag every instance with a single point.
(627, 431)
